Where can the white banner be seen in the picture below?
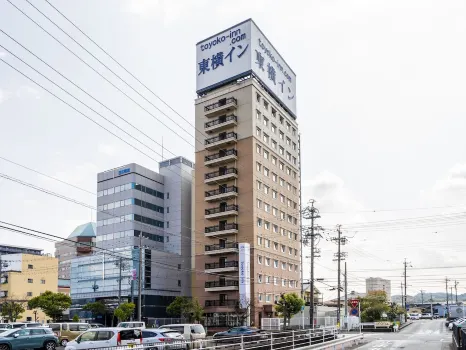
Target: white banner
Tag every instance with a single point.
(239, 51)
(245, 275)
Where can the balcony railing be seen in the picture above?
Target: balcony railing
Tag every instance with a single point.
(227, 136)
(223, 265)
(218, 228)
(231, 207)
(225, 303)
(222, 102)
(221, 191)
(230, 152)
(230, 118)
(213, 247)
(221, 173)
(219, 284)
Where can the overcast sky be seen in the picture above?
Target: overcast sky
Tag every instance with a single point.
(381, 91)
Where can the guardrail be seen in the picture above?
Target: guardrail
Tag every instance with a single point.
(318, 338)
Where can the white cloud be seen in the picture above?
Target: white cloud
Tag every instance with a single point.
(28, 92)
(108, 150)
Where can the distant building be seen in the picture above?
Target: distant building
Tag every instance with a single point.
(351, 295)
(25, 276)
(14, 249)
(79, 243)
(379, 284)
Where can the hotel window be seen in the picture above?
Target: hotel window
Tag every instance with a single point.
(258, 149)
(274, 144)
(275, 264)
(283, 248)
(293, 146)
(282, 135)
(259, 278)
(281, 150)
(266, 121)
(288, 141)
(274, 160)
(274, 211)
(281, 120)
(276, 298)
(284, 281)
(274, 194)
(283, 265)
(288, 170)
(259, 222)
(258, 97)
(260, 297)
(294, 174)
(267, 227)
(258, 132)
(259, 185)
(294, 160)
(266, 171)
(282, 166)
(259, 259)
(282, 198)
(274, 112)
(267, 279)
(290, 267)
(29, 294)
(275, 281)
(259, 240)
(288, 126)
(275, 245)
(258, 115)
(275, 228)
(266, 189)
(267, 261)
(258, 167)
(268, 298)
(288, 186)
(267, 243)
(273, 127)
(290, 250)
(274, 177)
(288, 156)
(282, 215)
(259, 203)
(266, 104)
(293, 132)
(266, 154)
(266, 138)
(282, 182)
(30, 280)
(266, 207)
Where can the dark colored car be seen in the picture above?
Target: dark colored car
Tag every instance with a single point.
(235, 334)
(28, 338)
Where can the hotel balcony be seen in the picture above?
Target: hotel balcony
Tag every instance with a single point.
(221, 212)
(221, 175)
(220, 158)
(220, 230)
(230, 247)
(227, 266)
(221, 303)
(221, 140)
(220, 194)
(221, 123)
(223, 105)
(220, 286)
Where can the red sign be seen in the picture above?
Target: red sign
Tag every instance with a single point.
(354, 303)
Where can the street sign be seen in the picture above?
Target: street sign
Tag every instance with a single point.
(354, 312)
(354, 303)
(302, 308)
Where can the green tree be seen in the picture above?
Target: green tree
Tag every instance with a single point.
(12, 309)
(124, 311)
(187, 308)
(288, 305)
(96, 308)
(52, 304)
(75, 318)
(373, 306)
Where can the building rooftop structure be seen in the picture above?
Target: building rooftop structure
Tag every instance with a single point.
(85, 230)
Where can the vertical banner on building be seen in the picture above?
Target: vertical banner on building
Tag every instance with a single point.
(245, 275)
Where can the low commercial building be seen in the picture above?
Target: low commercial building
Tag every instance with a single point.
(79, 243)
(25, 276)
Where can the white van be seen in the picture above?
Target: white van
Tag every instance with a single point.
(191, 332)
(106, 338)
(131, 324)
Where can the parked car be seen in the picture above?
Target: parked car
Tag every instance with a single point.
(28, 338)
(105, 338)
(68, 331)
(163, 339)
(236, 333)
(96, 325)
(141, 325)
(415, 317)
(426, 316)
(190, 331)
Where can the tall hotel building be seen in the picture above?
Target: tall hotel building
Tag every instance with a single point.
(247, 178)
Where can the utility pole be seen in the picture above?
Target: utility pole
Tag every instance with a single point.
(422, 297)
(140, 279)
(301, 217)
(311, 213)
(405, 276)
(339, 257)
(456, 291)
(451, 294)
(446, 293)
(346, 296)
(402, 299)
(431, 307)
(120, 265)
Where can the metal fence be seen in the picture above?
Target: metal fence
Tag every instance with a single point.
(280, 340)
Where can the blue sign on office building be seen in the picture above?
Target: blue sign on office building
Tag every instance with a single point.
(124, 171)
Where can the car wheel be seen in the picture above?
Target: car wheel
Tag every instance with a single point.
(4, 347)
(64, 342)
(50, 345)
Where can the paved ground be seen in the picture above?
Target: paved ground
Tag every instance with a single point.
(421, 335)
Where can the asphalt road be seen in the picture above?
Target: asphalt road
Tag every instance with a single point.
(421, 335)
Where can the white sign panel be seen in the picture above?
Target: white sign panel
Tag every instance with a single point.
(239, 51)
(245, 275)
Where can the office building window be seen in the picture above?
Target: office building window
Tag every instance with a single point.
(42, 281)
(179, 283)
(30, 280)
(268, 298)
(258, 132)
(30, 267)
(29, 294)
(168, 224)
(259, 278)
(168, 195)
(168, 210)
(258, 149)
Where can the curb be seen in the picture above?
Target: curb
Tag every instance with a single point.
(406, 324)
